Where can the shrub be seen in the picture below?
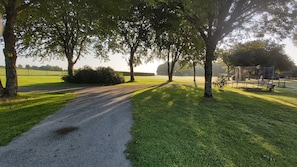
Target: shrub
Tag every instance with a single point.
(102, 75)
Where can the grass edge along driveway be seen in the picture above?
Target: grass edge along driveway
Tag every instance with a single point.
(18, 115)
(176, 126)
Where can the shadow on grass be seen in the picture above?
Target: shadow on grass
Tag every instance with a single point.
(20, 114)
(176, 126)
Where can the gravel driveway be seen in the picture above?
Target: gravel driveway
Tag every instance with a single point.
(91, 131)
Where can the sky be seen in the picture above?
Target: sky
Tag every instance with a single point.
(118, 62)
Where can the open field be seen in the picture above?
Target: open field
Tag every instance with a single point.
(43, 80)
(38, 81)
(30, 72)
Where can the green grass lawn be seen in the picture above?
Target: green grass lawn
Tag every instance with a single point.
(176, 126)
(36, 78)
(31, 72)
(148, 80)
(17, 115)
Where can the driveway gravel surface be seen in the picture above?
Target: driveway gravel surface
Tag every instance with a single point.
(91, 131)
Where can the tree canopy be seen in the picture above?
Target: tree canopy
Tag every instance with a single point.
(175, 37)
(134, 34)
(71, 27)
(67, 29)
(262, 53)
(46, 28)
(216, 19)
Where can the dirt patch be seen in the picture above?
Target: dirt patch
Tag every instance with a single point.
(65, 130)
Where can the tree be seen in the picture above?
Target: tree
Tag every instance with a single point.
(11, 10)
(262, 53)
(175, 37)
(135, 35)
(218, 68)
(226, 57)
(196, 54)
(193, 60)
(70, 28)
(215, 19)
(66, 28)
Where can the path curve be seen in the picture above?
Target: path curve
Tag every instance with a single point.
(92, 130)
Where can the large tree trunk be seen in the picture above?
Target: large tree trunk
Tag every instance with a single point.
(168, 72)
(168, 68)
(171, 72)
(70, 68)
(208, 70)
(9, 50)
(69, 55)
(131, 65)
(2, 90)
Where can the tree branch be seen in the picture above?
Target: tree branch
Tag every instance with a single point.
(24, 6)
(3, 2)
(81, 48)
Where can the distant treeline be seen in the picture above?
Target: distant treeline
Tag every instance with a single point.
(57, 68)
(218, 69)
(137, 73)
(44, 68)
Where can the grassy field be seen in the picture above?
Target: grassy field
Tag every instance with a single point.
(30, 72)
(36, 77)
(176, 126)
(43, 80)
(163, 80)
(38, 81)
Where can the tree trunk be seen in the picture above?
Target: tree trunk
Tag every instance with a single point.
(208, 70)
(70, 68)
(9, 50)
(170, 76)
(168, 68)
(68, 50)
(1, 89)
(228, 73)
(168, 73)
(194, 69)
(131, 65)
(171, 72)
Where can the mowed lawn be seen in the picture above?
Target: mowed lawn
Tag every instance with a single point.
(18, 115)
(31, 72)
(176, 126)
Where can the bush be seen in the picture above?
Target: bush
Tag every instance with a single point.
(102, 75)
